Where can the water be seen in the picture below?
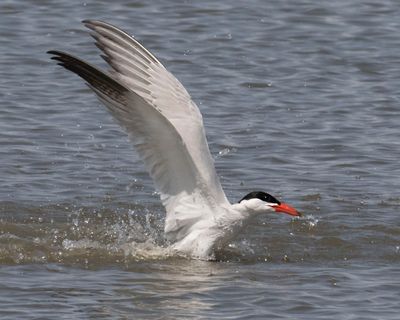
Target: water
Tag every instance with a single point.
(299, 99)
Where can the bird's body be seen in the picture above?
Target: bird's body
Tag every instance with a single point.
(166, 129)
(201, 238)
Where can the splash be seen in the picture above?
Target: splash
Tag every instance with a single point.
(307, 220)
(87, 236)
(311, 221)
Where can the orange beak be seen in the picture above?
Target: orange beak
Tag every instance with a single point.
(285, 208)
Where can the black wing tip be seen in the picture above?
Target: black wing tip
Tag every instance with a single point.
(53, 52)
(92, 24)
(56, 54)
(59, 56)
(89, 21)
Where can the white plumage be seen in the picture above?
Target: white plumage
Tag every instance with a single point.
(166, 128)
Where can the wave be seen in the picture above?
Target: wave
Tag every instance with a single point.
(92, 236)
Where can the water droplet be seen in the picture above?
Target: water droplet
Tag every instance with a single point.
(285, 258)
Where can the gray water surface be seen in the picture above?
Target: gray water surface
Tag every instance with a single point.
(299, 98)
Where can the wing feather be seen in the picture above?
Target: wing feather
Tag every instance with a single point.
(142, 72)
(157, 142)
(163, 123)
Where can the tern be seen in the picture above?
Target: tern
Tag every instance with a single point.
(166, 129)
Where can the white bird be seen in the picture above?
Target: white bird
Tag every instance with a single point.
(166, 129)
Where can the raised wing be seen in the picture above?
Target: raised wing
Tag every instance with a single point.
(185, 192)
(141, 72)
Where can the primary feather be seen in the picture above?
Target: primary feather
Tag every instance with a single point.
(166, 128)
(162, 121)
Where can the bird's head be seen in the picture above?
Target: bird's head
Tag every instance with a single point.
(261, 202)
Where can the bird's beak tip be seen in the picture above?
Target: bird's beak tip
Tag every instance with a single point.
(285, 208)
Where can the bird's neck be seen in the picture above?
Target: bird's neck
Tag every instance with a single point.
(243, 211)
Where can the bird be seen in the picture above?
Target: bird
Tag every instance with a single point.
(166, 129)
